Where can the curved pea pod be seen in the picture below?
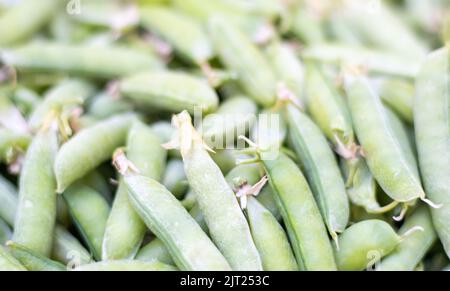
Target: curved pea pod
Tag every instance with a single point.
(175, 178)
(26, 18)
(308, 237)
(10, 116)
(185, 34)
(8, 201)
(63, 97)
(365, 243)
(307, 27)
(26, 99)
(321, 169)
(224, 159)
(171, 91)
(89, 211)
(84, 60)
(33, 261)
(125, 230)
(287, 67)
(36, 211)
(92, 146)
(234, 118)
(5, 232)
(270, 239)
(432, 123)
(375, 61)
(104, 106)
(398, 95)
(68, 250)
(125, 265)
(189, 246)
(155, 251)
(8, 262)
(226, 222)
(413, 248)
(98, 182)
(384, 154)
(240, 56)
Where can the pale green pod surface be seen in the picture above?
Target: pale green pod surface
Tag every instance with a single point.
(165, 131)
(33, 261)
(67, 249)
(36, 211)
(189, 246)
(24, 19)
(89, 148)
(104, 106)
(175, 179)
(432, 124)
(306, 229)
(11, 144)
(384, 154)
(171, 91)
(8, 262)
(234, 118)
(243, 58)
(398, 95)
(321, 169)
(224, 159)
(98, 182)
(26, 99)
(155, 251)
(8, 201)
(189, 200)
(270, 239)
(89, 211)
(185, 34)
(413, 247)
(365, 243)
(125, 266)
(94, 61)
(65, 95)
(307, 27)
(5, 232)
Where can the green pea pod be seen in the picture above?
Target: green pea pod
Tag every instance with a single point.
(26, 18)
(185, 34)
(307, 27)
(11, 144)
(84, 60)
(224, 159)
(125, 265)
(155, 251)
(125, 230)
(321, 169)
(270, 239)
(68, 250)
(89, 211)
(175, 178)
(93, 145)
(240, 56)
(26, 99)
(96, 181)
(432, 124)
(8, 201)
(36, 211)
(5, 232)
(308, 237)
(226, 222)
(414, 247)
(384, 154)
(364, 244)
(398, 95)
(8, 262)
(33, 261)
(189, 246)
(170, 91)
(104, 106)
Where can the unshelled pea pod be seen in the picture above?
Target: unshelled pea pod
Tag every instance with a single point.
(8, 262)
(5, 232)
(8, 201)
(307, 27)
(175, 179)
(432, 125)
(33, 261)
(125, 265)
(170, 91)
(398, 95)
(93, 61)
(104, 106)
(93, 146)
(68, 250)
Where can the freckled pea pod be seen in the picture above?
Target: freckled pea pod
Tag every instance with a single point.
(125, 265)
(252, 68)
(26, 18)
(89, 212)
(125, 230)
(8, 262)
(432, 126)
(321, 169)
(32, 260)
(89, 148)
(85, 60)
(414, 247)
(36, 212)
(171, 91)
(226, 222)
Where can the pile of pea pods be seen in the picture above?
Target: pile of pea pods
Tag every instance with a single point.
(134, 135)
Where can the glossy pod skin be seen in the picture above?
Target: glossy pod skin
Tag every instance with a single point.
(364, 244)
(94, 61)
(321, 169)
(8, 262)
(33, 261)
(125, 265)
(413, 248)
(432, 123)
(125, 230)
(36, 211)
(93, 146)
(226, 222)
(240, 56)
(383, 152)
(170, 91)
(308, 237)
